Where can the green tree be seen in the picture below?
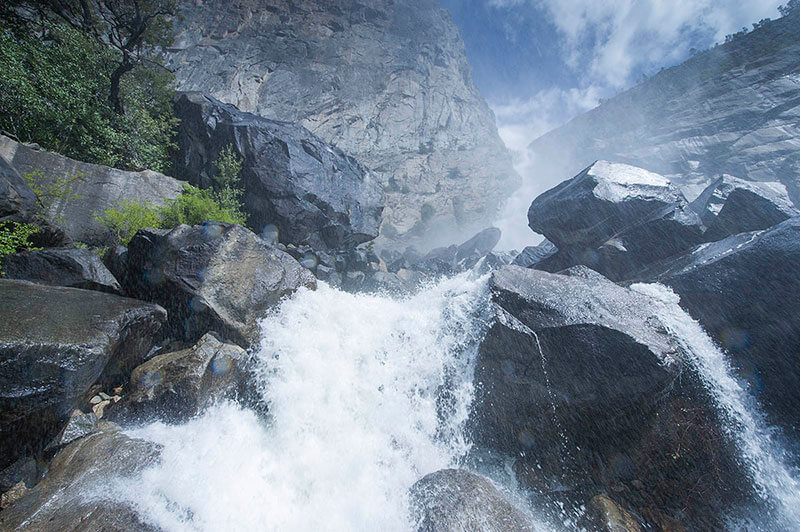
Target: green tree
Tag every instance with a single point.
(14, 237)
(227, 181)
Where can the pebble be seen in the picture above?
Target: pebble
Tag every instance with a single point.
(100, 407)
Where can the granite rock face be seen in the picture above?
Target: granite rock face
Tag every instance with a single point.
(733, 109)
(310, 191)
(386, 81)
(78, 268)
(99, 188)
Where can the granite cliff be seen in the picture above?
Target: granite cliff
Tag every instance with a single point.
(734, 109)
(385, 81)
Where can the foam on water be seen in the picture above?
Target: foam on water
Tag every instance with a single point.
(775, 481)
(366, 395)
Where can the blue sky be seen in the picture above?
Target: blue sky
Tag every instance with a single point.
(541, 62)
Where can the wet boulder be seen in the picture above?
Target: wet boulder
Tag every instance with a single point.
(55, 343)
(76, 268)
(533, 255)
(614, 218)
(730, 205)
(478, 246)
(311, 191)
(448, 260)
(745, 291)
(96, 189)
(72, 495)
(452, 500)
(580, 381)
(214, 277)
(176, 386)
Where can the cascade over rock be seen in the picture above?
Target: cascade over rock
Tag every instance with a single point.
(54, 344)
(451, 500)
(386, 81)
(580, 380)
(99, 188)
(214, 277)
(315, 194)
(730, 205)
(745, 291)
(732, 109)
(72, 495)
(78, 268)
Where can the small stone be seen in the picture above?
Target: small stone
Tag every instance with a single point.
(105, 396)
(95, 400)
(15, 493)
(99, 408)
(116, 398)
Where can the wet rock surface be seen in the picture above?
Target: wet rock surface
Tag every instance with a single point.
(310, 191)
(176, 386)
(54, 344)
(76, 268)
(215, 277)
(453, 500)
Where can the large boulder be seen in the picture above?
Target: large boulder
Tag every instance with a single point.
(72, 496)
(176, 386)
(454, 500)
(581, 382)
(77, 268)
(614, 218)
(533, 255)
(312, 192)
(215, 277)
(745, 291)
(19, 204)
(54, 344)
(730, 205)
(99, 188)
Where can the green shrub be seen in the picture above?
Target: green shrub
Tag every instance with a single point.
(129, 217)
(14, 237)
(227, 182)
(195, 206)
(62, 189)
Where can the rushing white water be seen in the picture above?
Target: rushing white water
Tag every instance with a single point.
(767, 461)
(366, 395)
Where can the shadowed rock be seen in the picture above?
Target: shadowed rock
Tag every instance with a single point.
(76, 268)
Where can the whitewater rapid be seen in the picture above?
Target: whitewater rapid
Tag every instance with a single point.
(366, 394)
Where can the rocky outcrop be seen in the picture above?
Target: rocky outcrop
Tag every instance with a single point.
(54, 344)
(76, 268)
(452, 500)
(745, 291)
(176, 386)
(533, 255)
(581, 382)
(215, 277)
(312, 192)
(71, 496)
(730, 110)
(99, 188)
(730, 205)
(385, 81)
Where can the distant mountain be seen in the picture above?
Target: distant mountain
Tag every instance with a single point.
(386, 81)
(733, 109)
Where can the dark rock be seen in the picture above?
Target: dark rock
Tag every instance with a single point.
(745, 291)
(18, 203)
(582, 384)
(60, 501)
(479, 245)
(100, 188)
(54, 344)
(76, 268)
(215, 277)
(176, 386)
(312, 192)
(78, 426)
(533, 255)
(385, 81)
(452, 500)
(116, 260)
(385, 282)
(730, 205)
(353, 281)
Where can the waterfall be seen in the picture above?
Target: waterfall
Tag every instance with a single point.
(366, 394)
(774, 480)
